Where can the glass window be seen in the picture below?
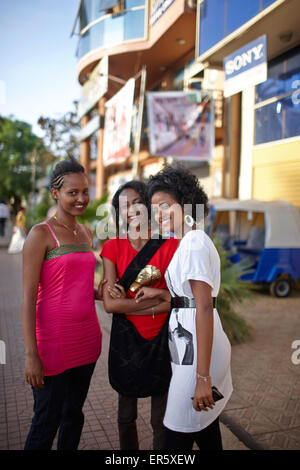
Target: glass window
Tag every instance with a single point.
(292, 71)
(292, 117)
(113, 30)
(134, 25)
(279, 119)
(266, 3)
(218, 18)
(236, 16)
(274, 85)
(268, 123)
(134, 3)
(107, 4)
(211, 24)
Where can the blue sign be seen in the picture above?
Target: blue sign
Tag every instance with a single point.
(239, 66)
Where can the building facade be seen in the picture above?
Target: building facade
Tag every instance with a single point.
(181, 45)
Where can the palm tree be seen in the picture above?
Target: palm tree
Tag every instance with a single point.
(232, 292)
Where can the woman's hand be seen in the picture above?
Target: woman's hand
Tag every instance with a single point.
(148, 293)
(203, 398)
(99, 291)
(116, 291)
(34, 371)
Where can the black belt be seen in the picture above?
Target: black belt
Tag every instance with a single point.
(185, 302)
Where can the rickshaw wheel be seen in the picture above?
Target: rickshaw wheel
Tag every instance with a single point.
(281, 287)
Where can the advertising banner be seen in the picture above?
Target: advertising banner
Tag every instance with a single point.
(89, 129)
(246, 67)
(94, 88)
(117, 125)
(181, 124)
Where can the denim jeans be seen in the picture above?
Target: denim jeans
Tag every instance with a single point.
(58, 406)
(127, 415)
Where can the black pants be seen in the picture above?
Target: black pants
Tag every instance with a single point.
(127, 415)
(2, 226)
(59, 406)
(207, 439)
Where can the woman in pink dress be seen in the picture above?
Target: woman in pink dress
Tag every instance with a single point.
(61, 331)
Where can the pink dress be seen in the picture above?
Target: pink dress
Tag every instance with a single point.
(67, 328)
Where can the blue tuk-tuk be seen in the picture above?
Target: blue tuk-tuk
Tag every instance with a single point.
(267, 234)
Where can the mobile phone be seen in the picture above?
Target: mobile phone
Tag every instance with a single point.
(217, 395)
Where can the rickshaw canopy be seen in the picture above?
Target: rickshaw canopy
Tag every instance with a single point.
(282, 219)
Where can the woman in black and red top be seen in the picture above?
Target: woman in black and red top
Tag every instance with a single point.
(149, 317)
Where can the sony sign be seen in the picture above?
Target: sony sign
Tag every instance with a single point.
(246, 67)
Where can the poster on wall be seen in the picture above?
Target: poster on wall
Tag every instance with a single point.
(94, 88)
(181, 124)
(117, 125)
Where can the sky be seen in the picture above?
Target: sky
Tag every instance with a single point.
(37, 59)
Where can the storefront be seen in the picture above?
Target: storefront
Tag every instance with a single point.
(262, 144)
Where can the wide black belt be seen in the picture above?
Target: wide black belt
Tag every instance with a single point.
(185, 302)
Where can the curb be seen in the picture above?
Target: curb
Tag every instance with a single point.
(241, 433)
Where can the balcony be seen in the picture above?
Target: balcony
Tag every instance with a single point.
(106, 24)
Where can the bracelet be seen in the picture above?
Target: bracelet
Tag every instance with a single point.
(153, 314)
(205, 378)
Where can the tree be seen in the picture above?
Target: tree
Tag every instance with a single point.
(61, 133)
(18, 146)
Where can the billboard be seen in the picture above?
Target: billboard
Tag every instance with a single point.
(181, 124)
(94, 88)
(117, 125)
(246, 67)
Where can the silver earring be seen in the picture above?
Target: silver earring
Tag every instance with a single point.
(189, 220)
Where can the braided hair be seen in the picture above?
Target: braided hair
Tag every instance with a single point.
(64, 167)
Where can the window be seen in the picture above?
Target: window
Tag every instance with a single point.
(106, 23)
(219, 18)
(277, 108)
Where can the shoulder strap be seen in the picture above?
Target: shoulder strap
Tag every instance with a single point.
(140, 261)
(88, 234)
(53, 234)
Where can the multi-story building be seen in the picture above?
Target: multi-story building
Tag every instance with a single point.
(182, 45)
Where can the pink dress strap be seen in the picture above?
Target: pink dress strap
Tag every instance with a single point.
(88, 234)
(53, 234)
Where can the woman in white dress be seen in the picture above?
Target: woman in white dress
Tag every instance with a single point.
(199, 349)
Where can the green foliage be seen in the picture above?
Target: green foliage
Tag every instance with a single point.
(232, 292)
(16, 142)
(89, 217)
(19, 149)
(38, 213)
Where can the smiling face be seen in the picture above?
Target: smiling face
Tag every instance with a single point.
(167, 212)
(73, 197)
(133, 212)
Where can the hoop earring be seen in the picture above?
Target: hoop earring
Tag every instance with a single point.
(189, 220)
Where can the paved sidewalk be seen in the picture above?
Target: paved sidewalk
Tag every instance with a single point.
(263, 411)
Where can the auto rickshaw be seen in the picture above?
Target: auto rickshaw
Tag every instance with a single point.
(266, 234)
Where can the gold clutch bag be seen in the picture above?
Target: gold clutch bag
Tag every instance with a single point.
(146, 277)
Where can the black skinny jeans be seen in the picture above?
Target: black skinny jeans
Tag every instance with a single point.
(58, 406)
(207, 439)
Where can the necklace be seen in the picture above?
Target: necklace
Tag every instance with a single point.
(66, 226)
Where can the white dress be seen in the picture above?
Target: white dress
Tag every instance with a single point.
(196, 258)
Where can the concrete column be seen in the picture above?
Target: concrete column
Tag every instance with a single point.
(247, 138)
(100, 170)
(85, 159)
